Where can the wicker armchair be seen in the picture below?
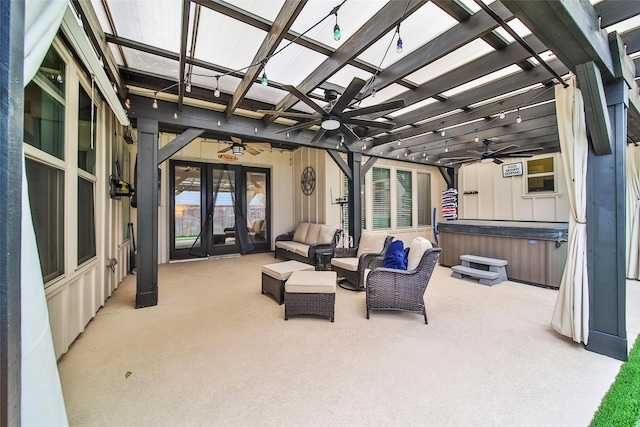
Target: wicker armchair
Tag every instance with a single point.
(350, 263)
(389, 289)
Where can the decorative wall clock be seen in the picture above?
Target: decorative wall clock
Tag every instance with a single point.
(308, 181)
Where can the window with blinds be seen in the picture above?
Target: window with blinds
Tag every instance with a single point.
(404, 200)
(424, 199)
(381, 198)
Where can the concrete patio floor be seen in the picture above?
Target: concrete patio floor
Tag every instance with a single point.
(215, 351)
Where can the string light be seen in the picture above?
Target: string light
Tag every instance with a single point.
(502, 114)
(446, 147)
(263, 79)
(518, 119)
(216, 92)
(336, 28)
(175, 115)
(399, 44)
(373, 92)
(476, 139)
(443, 132)
(155, 101)
(187, 86)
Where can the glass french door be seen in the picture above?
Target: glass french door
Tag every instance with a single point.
(224, 199)
(219, 209)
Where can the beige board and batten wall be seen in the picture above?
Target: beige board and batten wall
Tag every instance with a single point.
(485, 194)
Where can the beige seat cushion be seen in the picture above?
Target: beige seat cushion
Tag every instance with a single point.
(371, 242)
(282, 270)
(301, 232)
(326, 233)
(294, 247)
(417, 248)
(350, 264)
(311, 282)
(312, 234)
(302, 249)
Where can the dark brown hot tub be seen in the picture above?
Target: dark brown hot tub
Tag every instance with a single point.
(536, 251)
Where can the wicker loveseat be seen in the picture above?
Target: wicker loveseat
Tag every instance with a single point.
(302, 243)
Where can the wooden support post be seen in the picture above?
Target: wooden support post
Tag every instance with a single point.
(147, 194)
(606, 239)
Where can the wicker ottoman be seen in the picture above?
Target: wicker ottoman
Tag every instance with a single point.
(310, 293)
(274, 275)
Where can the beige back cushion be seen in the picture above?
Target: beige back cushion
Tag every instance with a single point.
(371, 242)
(326, 233)
(312, 234)
(417, 248)
(301, 232)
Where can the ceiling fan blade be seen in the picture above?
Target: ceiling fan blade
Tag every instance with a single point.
(236, 140)
(479, 153)
(506, 147)
(347, 96)
(497, 161)
(348, 133)
(369, 123)
(299, 126)
(224, 150)
(379, 108)
(289, 114)
(515, 155)
(251, 150)
(304, 98)
(258, 145)
(525, 150)
(318, 136)
(466, 160)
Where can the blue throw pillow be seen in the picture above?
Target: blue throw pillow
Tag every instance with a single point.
(395, 256)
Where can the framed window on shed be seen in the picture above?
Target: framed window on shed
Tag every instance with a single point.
(541, 175)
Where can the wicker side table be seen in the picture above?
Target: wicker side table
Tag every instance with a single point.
(310, 293)
(275, 275)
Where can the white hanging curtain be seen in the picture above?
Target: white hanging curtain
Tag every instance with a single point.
(41, 393)
(633, 212)
(571, 314)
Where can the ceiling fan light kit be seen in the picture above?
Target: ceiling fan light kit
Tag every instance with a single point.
(330, 123)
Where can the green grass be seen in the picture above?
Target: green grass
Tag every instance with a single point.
(621, 405)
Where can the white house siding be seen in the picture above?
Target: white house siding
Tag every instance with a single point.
(499, 198)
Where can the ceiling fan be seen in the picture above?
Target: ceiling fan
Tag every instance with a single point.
(238, 147)
(337, 116)
(489, 155)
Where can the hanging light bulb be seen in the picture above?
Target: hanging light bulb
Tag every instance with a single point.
(114, 87)
(336, 29)
(216, 92)
(446, 147)
(399, 142)
(476, 139)
(175, 115)
(59, 78)
(263, 79)
(373, 92)
(155, 101)
(187, 87)
(518, 119)
(399, 45)
(443, 132)
(502, 114)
